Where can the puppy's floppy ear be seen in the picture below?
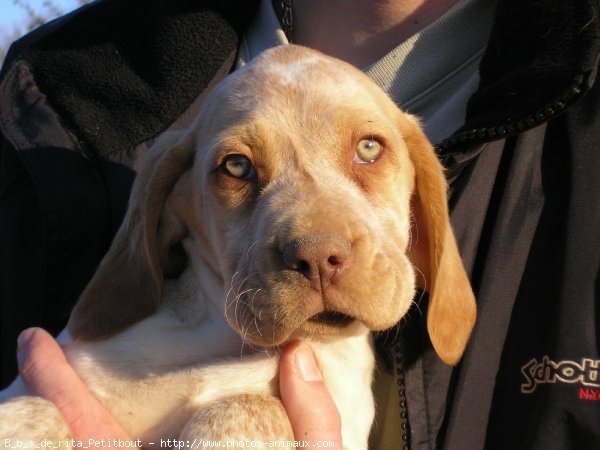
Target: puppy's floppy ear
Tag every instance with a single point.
(451, 313)
(128, 284)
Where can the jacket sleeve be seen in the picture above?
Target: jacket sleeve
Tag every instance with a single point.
(21, 258)
(58, 214)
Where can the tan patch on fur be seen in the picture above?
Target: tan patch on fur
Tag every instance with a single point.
(244, 417)
(34, 421)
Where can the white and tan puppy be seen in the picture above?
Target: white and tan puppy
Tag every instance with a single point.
(309, 207)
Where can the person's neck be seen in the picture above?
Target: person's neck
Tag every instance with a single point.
(361, 31)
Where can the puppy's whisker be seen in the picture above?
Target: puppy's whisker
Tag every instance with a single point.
(250, 275)
(239, 295)
(229, 292)
(230, 301)
(250, 249)
(253, 308)
(234, 275)
(396, 333)
(413, 237)
(257, 327)
(241, 285)
(417, 303)
(244, 333)
(420, 272)
(238, 324)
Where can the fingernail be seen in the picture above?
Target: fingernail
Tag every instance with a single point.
(306, 364)
(23, 342)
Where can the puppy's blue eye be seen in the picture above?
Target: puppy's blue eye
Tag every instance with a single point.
(368, 150)
(238, 166)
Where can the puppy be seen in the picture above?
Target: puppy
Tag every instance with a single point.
(308, 207)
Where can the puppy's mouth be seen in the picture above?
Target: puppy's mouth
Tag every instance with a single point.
(264, 326)
(332, 318)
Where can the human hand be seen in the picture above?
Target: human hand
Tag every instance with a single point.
(307, 401)
(46, 373)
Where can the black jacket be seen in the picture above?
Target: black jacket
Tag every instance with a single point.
(79, 96)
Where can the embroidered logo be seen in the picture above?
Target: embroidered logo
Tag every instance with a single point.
(586, 373)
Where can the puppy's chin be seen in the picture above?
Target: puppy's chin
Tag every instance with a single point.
(323, 325)
(327, 323)
(333, 319)
(258, 327)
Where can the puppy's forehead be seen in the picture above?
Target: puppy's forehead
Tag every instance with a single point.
(294, 68)
(292, 94)
(300, 73)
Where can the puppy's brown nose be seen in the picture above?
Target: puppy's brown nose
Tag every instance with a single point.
(319, 258)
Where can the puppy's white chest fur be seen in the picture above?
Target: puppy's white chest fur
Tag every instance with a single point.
(152, 383)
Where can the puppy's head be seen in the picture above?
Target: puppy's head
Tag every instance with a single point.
(314, 198)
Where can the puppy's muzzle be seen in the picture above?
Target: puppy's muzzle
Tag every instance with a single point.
(321, 259)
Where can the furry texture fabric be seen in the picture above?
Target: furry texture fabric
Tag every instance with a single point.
(539, 66)
(119, 71)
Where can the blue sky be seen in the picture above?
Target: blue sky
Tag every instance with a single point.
(12, 15)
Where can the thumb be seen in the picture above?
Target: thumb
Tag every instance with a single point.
(47, 373)
(310, 408)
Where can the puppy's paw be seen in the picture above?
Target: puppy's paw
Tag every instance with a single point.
(249, 417)
(32, 422)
